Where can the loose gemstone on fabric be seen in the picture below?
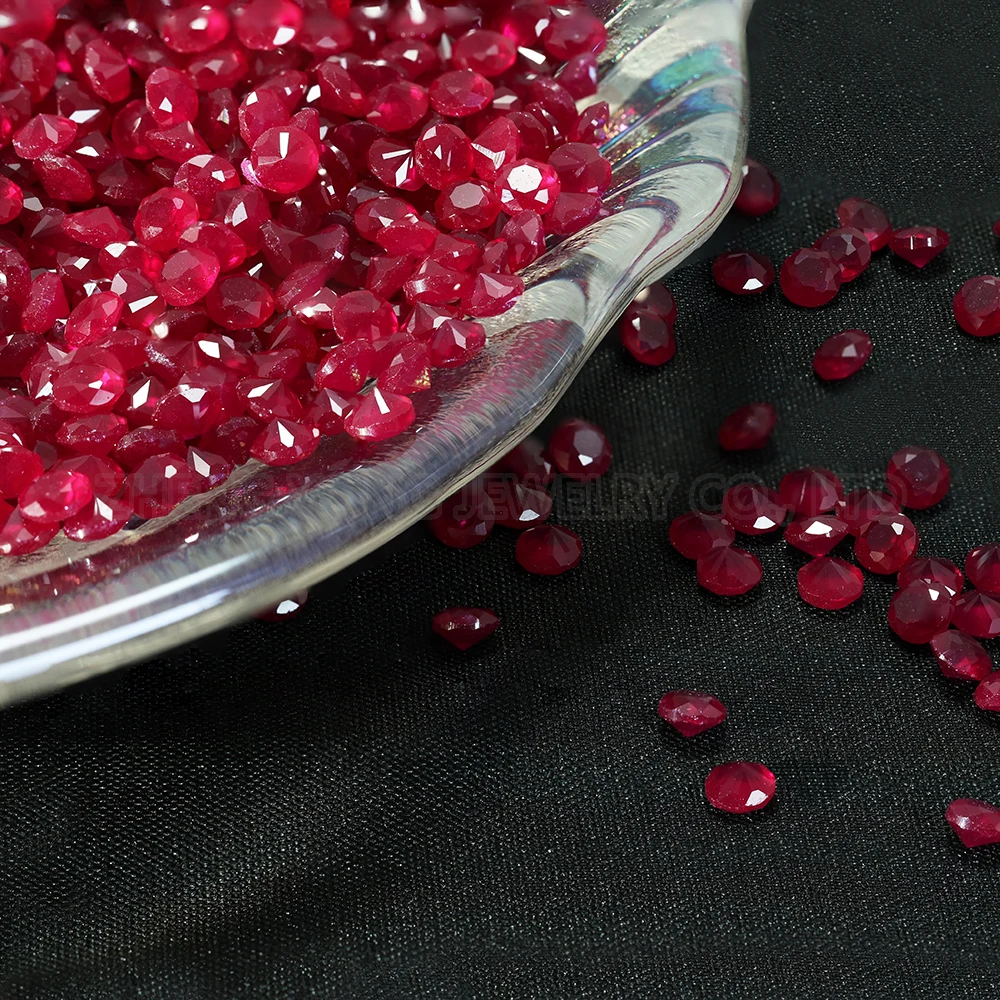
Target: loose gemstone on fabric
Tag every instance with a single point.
(517, 505)
(886, 543)
(729, 571)
(816, 534)
(759, 191)
(977, 614)
(842, 355)
(977, 306)
(830, 583)
(810, 491)
(549, 550)
(850, 250)
(580, 450)
(740, 786)
(976, 823)
(918, 477)
(919, 244)
(940, 572)
(465, 627)
(696, 534)
(960, 657)
(987, 695)
(857, 213)
(752, 509)
(810, 278)
(982, 566)
(691, 712)
(748, 428)
(861, 505)
(647, 336)
(920, 612)
(465, 519)
(743, 273)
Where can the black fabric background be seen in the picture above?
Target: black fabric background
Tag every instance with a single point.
(342, 807)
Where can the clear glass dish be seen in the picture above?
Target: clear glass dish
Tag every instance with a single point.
(674, 76)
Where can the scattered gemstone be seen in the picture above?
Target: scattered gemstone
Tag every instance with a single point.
(982, 567)
(830, 583)
(861, 505)
(977, 614)
(759, 191)
(696, 534)
(464, 519)
(930, 569)
(810, 278)
(886, 543)
(549, 550)
(810, 491)
(580, 450)
(691, 712)
(977, 306)
(740, 786)
(987, 695)
(976, 823)
(960, 657)
(842, 355)
(857, 213)
(918, 477)
(748, 428)
(753, 509)
(920, 612)
(816, 534)
(729, 571)
(919, 244)
(743, 273)
(850, 250)
(648, 337)
(465, 627)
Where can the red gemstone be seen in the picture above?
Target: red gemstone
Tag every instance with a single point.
(580, 450)
(188, 409)
(285, 159)
(529, 462)
(573, 212)
(20, 537)
(163, 216)
(44, 134)
(239, 302)
(380, 415)
(397, 106)
(465, 627)
(759, 192)
(977, 614)
(487, 52)
(741, 786)
(886, 543)
(816, 534)
(363, 315)
(101, 518)
(743, 273)
(443, 156)
(856, 213)
(465, 519)
(527, 185)
(269, 24)
(518, 506)
(810, 278)
(188, 276)
(842, 355)
(849, 248)
(106, 70)
(729, 571)
(170, 97)
(860, 506)
(976, 823)
(659, 300)
(194, 29)
(55, 496)
(691, 712)
(810, 491)
(696, 534)
(940, 572)
(492, 294)
(960, 657)
(977, 306)
(748, 428)
(469, 205)
(920, 612)
(919, 244)
(982, 566)
(830, 583)
(393, 164)
(285, 442)
(87, 388)
(284, 610)
(753, 509)
(572, 31)
(11, 200)
(581, 169)
(987, 696)
(549, 550)
(19, 468)
(347, 367)
(647, 336)
(918, 477)
(455, 342)
(460, 93)
(93, 435)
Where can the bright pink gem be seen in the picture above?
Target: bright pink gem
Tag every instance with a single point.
(696, 534)
(26, 19)
(285, 159)
(573, 212)
(579, 76)
(393, 164)
(21, 537)
(753, 509)
(691, 712)
(816, 534)
(443, 155)
(492, 294)
(976, 823)
(285, 442)
(170, 97)
(857, 213)
(194, 29)
(741, 786)
(46, 304)
(487, 52)
(87, 388)
(524, 235)
(919, 244)
(743, 273)
(729, 571)
(362, 315)
(830, 583)
(269, 24)
(55, 496)
(748, 428)
(810, 278)
(96, 434)
(518, 506)
(572, 31)
(977, 306)
(760, 191)
(849, 248)
(239, 302)
(347, 367)
(920, 612)
(977, 614)
(810, 491)
(214, 469)
(987, 695)
(188, 276)
(940, 572)
(11, 200)
(527, 185)
(860, 506)
(842, 355)
(581, 168)
(380, 415)
(408, 370)
(64, 178)
(886, 543)
(101, 518)
(44, 134)
(460, 93)
(203, 177)
(548, 550)
(455, 342)
(580, 450)
(19, 468)
(159, 484)
(398, 106)
(188, 409)
(495, 148)
(163, 216)
(465, 627)
(918, 477)
(469, 205)
(960, 657)
(107, 71)
(647, 336)
(982, 566)
(465, 519)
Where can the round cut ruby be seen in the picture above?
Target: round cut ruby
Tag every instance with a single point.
(285, 442)
(886, 543)
(691, 712)
(752, 509)
(743, 273)
(92, 435)
(842, 355)
(960, 657)
(239, 302)
(759, 192)
(188, 409)
(918, 477)
(518, 506)
(982, 566)
(19, 468)
(729, 571)
(163, 216)
(465, 519)
(93, 319)
(529, 462)
(810, 491)
(188, 276)
(347, 367)
(492, 294)
(648, 337)
(470, 205)
(487, 52)
(857, 213)
(269, 24)
(580, 450)
(455, 342)
(21, 537)
(101, 518)
(987, 695)
(977, 614)
(659, 300)
(695, 534)
(44, 134)
(581, 168)
(919, 244)
(380, 415)
(816, 534)
(741, 786)
(11, 200)
(861, 505)
(460, 93)
(940, 572)
(284, 159)
(495, 148)
(810, 278)
(465, 627)
(527, 186)
(87, 388)
(443, 156)
(55, 496)
(977, 306)
(920, 612)
(106, 70)
(830, 583)
(170, 97)
(850, 250)
(397, 106)
(976, 823)
(548, 550)
(194, 29)
(748, 428)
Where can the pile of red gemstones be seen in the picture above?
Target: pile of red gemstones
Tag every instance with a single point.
(230, 229)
